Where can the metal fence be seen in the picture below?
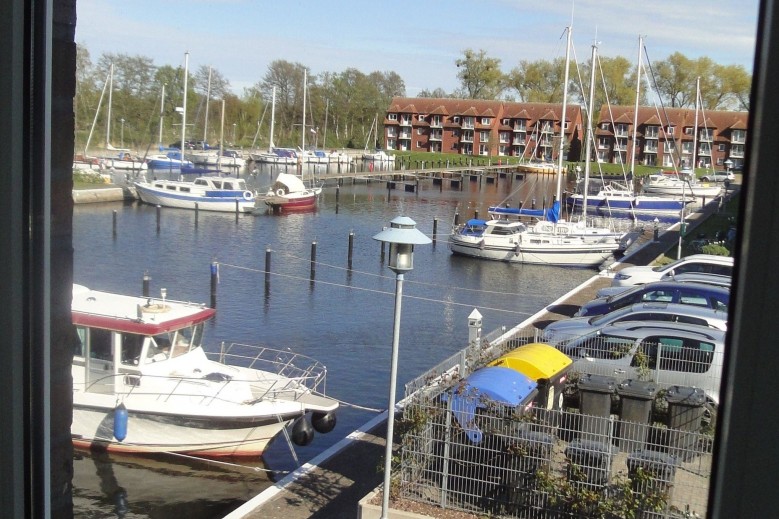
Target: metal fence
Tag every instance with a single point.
(638, 453)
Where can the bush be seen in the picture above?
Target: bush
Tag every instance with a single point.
(715, 249)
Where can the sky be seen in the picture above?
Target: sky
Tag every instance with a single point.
(418, 39)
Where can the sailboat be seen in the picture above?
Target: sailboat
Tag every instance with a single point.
(203, 155)
(288, 191)
(376, 155)
(620, 198)
(275, 155)
(123, 160)
(550, 241)
(684, 182)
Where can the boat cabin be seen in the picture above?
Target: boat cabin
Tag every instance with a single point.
(120, 337)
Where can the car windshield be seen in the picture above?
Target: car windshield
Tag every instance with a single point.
(620, 295)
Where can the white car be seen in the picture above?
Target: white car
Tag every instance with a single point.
(719, 176)
(563, 331)
(674, 354)
(701, 263)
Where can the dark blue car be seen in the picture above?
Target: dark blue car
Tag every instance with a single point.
(697, 294)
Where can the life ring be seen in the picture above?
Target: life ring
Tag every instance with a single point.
(247, 195)
(280, 192)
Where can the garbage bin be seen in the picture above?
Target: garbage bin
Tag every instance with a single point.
(636, 399)
(595, 392)
(544, 364)
(589, 462)
(685, 412)
(658, 470)
(486, 396)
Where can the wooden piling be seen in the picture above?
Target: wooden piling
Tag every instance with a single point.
(159, 211)
(313, 260)
(214, 279)
(267, 267)
(114, 224)
(351, 249)
(435, 228)
(146, 283)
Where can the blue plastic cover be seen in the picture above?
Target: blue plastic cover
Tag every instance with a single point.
(494, 384)
(552, 214)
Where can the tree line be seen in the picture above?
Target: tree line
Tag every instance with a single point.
(341, 106)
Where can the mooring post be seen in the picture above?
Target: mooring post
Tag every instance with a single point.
(237, 211)
(435, 228)
(456, 218)
(197, 210)
(337, 193)
(267, 267)
(146, 282)
(214, 280)
(159, 211)
(114, 224)
(476, 214)
(351, 249)
(313, 260)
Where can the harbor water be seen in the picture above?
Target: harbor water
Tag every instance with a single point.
(336, 312)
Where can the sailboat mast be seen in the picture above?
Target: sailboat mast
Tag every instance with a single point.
(695, 129)
(562, 117)
(327, 109)
(635, 109)
(162, 112)
(110, 91)
(272, 119)
(221, 137)
(208, 98)
(305, 80)
(97, 112)
(588, 131)
(184, 108)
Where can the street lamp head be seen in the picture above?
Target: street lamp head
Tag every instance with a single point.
(402, 235)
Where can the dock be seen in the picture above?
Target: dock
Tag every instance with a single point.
(335, 483)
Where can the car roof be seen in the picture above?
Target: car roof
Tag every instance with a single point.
(638, 329)
(654, 285)
(713, 258)
(705, 278)
(676, 308)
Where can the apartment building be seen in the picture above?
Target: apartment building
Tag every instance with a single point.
(667, 137)
(664, 137)
(482, 128)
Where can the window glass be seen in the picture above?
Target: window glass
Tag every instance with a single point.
(606, 347)
(78, 346)
(662, 296)
(131, 348)
(100, 344)
(678, 354)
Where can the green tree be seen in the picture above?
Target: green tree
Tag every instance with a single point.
(675, 80)
(480, 76)
(538, 81)
(438, 93)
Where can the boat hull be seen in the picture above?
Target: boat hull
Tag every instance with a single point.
(633, 205)
(575, 253)
(292, 203)
(179, 200)
(148, 433)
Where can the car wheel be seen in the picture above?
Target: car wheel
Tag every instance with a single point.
(705, 179)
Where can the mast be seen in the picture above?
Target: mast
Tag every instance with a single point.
(110, 91)
(162, 112)
(97, 112)
(208, 98)
(695, 130)
(562, 117)
(588, 131)
(324, 138)
(272, 120)
(305, 81)
(635, 109)
(184, 108)
(221, 138)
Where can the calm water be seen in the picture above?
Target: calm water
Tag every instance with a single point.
(343, 319)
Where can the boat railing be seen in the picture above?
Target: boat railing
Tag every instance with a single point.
(294, 367)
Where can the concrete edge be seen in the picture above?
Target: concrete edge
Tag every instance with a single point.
(269, 493)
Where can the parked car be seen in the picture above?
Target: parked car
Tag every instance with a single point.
(706, 263)
(674, 354)
(719, 176)
(717, 280)
(662, 292)
(564, 331)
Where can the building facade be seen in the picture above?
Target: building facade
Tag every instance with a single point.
(663, 137)
(667, 137)
(482, 128)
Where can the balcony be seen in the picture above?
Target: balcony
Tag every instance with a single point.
(435, 122)
(405, 136)
(706, 136)
(436, 136)
(466, 137)
(650, 148)
(405, 121)
(520, 128)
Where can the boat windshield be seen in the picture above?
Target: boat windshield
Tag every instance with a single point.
(181, 341)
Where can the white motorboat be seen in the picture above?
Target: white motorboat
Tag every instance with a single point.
(682, 183)
(142, 382)
(209, 193)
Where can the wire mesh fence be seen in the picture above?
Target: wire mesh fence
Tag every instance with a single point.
(596, 447)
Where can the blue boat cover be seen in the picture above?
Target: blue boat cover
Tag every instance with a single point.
(494, 384)
(552, 214)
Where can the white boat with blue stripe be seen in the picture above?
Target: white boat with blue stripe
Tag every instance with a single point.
(209, 193)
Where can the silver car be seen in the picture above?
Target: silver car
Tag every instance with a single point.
(672, 354)
(564, 331)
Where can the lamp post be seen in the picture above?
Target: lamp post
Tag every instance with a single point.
(234, 124)
(122, 134)
(402, 235)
